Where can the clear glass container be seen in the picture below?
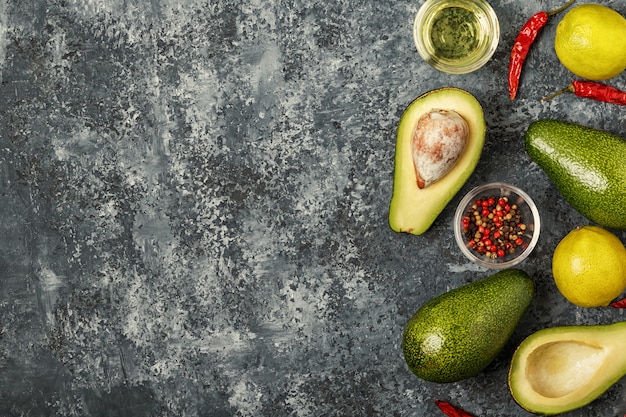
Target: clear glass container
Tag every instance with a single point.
(529, 216)
(456, 36)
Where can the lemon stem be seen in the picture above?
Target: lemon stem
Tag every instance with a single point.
(560, 9)
(568, 89)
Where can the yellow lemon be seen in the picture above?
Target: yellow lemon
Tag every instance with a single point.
(590, 41)
(589, 266)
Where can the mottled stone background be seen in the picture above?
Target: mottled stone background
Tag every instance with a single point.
(194, 200)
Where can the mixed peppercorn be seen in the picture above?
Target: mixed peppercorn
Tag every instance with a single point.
(493, 227)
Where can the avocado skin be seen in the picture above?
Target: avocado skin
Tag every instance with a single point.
(587, 166)
(457, 334)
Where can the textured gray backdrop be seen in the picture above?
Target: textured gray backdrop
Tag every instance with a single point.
(194, 199)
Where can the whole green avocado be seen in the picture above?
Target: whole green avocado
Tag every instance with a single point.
(457, 334)
(587, 166)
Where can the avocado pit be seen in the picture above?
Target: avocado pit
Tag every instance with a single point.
(438, 141)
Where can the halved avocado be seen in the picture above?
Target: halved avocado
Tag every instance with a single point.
(560, 369)
(414, 209)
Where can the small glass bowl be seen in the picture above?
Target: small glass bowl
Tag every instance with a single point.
(514, 254)
(485, 34)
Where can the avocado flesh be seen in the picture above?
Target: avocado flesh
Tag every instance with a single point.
(585, 165)
(457, 334)
(413, 210)
(560, 369)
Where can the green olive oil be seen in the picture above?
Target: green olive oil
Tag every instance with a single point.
(455, 33)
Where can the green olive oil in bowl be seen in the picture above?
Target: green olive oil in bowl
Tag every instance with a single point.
(456, 36)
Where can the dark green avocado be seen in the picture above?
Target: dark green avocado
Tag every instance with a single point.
(587, 166)
(457, 334)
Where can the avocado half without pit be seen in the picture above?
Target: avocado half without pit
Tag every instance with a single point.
(560, 369)
(439, 141)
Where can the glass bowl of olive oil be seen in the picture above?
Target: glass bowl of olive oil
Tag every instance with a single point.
(456, 36)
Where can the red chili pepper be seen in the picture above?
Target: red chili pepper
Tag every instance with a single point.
(452, 411)
(593, 90)
(619, 304)
(523, 42)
